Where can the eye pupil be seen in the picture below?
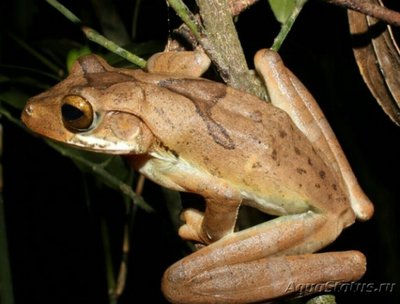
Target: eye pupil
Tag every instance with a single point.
(77, 113)
(70, 112)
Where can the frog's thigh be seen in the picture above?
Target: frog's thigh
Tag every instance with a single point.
(263, 262)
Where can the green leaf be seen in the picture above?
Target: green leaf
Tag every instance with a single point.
(286, 12)
(74, 54)
(282, 9)
(323, 299)
(14, 98)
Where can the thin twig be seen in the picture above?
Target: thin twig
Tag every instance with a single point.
(94, 36)
(187, 17)
(287, 25)
(371, 9)
(140, 184)
(63, 10)
(226, 53)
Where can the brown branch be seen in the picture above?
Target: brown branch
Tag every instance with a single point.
(371, 9)
(222, 45)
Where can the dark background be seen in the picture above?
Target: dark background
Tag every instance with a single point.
(54, 234)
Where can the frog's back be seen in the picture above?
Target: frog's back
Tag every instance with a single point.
(274, 164)
(250, 144)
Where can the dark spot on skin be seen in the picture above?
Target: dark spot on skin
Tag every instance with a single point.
(161, 113)
(216, 172)
(301, 171)
(309, 162)
(334, 187)
(341, 199)
(300, 185)
(174, 153)
(256, 139)
(313, 149)
(256, 165)
(282, 133)
(330, 196)
(317, 186)
(322, 174)
(274, 155)
(256, 116)
(297, 151)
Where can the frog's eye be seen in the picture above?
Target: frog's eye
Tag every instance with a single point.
(77, 113)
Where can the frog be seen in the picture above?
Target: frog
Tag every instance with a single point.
(191, 134)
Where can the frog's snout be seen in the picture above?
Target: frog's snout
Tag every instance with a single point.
(27, 112)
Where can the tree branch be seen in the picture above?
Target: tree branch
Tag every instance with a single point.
(371, 9)
(222, 44)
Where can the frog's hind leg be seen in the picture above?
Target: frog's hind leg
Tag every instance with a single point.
(288, 93)
(266, 261)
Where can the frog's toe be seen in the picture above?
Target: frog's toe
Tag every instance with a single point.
(191, 230)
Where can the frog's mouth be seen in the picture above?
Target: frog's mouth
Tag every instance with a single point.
(102, 145)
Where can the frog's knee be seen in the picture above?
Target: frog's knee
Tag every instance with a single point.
(266, 58)
(175, 284)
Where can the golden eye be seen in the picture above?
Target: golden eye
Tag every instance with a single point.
(77, 113)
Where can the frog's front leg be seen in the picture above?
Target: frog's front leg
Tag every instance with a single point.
(222, 200)
(218, 220)
(264, 262)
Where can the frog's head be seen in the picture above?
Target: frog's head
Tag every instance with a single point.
(88, 110)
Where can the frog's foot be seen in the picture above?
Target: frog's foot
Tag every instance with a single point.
(192, 227)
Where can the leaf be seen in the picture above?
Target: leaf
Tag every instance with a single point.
(282, 9)
(378, 58)
(14, 98)
(74, 54)
(286, 12)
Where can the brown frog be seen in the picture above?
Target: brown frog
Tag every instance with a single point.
(191, 134)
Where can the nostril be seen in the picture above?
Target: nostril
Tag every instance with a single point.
(29, 110)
